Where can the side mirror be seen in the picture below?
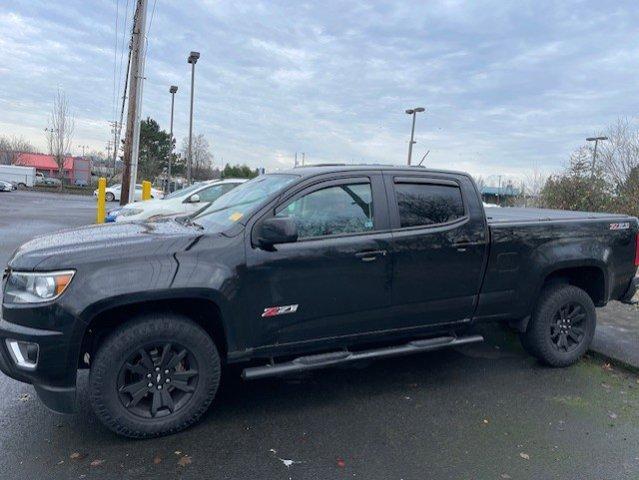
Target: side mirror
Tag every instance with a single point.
(195, 198)
(276, 230)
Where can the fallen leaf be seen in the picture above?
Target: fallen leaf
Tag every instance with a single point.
(177, 452)
(157, 459)
(287, 463)
(25, 397)
(612, 415)
(96, 463)
(607, 366)
(486, 421)
(77, 456)
(60, 462)
(525, 456)
(341, 463)
(505, 476)
(184, 461)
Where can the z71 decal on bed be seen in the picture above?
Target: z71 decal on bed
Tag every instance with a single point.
(620, 226)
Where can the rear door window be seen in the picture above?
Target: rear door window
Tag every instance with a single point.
(423, 204)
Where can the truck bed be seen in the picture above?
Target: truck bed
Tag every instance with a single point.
(534, 215)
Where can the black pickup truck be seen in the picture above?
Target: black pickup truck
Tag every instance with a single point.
(294, 271)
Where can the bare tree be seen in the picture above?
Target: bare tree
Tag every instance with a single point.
(11, 146)
(619, 155)
(59, 132)
(532, 186)
(202, 161)
(480, 182)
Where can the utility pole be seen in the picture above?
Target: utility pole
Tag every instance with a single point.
(594, 153)
(413, 112)
(303, 158)
(193, 57)
(295, 164)
(108, 148)
(172, 91)
(132, 144)
(499, 192)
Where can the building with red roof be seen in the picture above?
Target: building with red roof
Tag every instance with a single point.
(76, 169)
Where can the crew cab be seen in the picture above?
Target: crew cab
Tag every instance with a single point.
(298, 270)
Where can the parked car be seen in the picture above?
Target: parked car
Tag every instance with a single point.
(113, 193)
(6, 186)
(298, 270)
(52, 182)
(185, 201)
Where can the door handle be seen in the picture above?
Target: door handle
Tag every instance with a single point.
(370, 255)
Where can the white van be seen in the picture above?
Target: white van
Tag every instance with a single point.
(20, 176)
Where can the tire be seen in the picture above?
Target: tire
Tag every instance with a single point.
(562, 326)
(109, 197)
(129, 396)
(22, 186)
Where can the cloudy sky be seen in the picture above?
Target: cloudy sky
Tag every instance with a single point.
(507, 85)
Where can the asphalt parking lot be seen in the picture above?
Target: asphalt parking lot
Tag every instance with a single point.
(482, 412)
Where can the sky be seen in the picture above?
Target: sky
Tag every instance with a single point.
(508, 86)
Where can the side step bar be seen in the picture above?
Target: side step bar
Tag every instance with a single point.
(314, 362)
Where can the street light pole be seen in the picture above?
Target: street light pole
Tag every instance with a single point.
(172, 91)
(193, 57)
(594, 153)
(413, 112)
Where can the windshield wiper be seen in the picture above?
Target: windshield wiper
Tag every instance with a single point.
(188, 222)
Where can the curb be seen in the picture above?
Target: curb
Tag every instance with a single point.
(614, 360)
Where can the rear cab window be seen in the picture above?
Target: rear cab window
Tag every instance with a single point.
(424, 202)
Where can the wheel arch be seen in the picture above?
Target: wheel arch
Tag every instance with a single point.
(589, 276)
(202, 309)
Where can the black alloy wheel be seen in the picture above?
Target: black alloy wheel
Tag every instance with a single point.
(157, 380)
(567, 329)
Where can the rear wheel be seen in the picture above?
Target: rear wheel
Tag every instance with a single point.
(562, 326)
(154, 376)
(109, 197)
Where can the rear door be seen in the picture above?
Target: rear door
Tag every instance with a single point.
(438, 247)
(335, 280)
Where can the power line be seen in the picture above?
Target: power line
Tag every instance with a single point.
(148, 32)
(115, 57)
(124, 34)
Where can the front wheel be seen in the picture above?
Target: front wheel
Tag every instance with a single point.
(153, 376)
(562, 326)
(109, 197)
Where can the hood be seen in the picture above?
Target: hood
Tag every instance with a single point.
(68, 248)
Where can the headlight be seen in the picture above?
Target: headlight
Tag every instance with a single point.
(28, 287)
(127, 212)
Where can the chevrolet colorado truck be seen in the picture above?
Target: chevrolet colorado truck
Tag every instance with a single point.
(298, 270)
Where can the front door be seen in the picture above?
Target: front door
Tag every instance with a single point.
(439, 248)
(335, 280)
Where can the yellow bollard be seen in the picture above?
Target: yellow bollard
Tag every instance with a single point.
(101, 214)
(146, 190)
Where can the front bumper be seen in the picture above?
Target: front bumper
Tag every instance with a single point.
(632, 294)
(54, 376)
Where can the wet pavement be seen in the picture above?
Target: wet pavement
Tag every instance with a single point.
(486, 411)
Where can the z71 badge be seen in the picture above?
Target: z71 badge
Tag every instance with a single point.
(620, 226)
(275, 311)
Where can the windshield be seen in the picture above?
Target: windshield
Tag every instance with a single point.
(183, 191)
(241, 201)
